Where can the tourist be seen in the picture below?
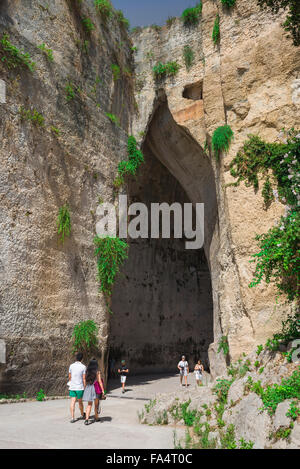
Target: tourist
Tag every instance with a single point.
(183, 367)
(199, 370)
(76, 385)
(93, 390)
(123, 372)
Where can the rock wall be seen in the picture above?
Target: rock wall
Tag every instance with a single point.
(46, 286)
(250, 80)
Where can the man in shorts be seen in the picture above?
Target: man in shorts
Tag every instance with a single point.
(77, 384)
(183, 368)
(123, 371)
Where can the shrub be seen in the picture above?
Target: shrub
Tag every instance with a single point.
(281, 433)
(113, 119)
(228, 3)
(216, 30)
(221, 389)
(221, 139)
(110, 253)
(156, 27)
(55, 130)
(88, 24)
(223, 345)
(228, 438)
(267, 192)
(13, 396)
(104, 7)
(47, 52)
(169, 69)
(171, 20)
(12, 57)
(188, 55)
(188, 416)
(85, 336)
(191, 16)
(116, 72)
(292, 22)
(129, 167)
(259, 349)
(63, 222)
(40, 395)
(244, 368)
(70, 91)
(290, 330)
(246, 444)
(276, 393)
(32, 115)
(294, 411)
(204, 442)
(278, 260)
(257, 158)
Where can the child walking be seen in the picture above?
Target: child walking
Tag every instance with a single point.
(123, 372)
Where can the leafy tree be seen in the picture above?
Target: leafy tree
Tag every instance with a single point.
(292, 22)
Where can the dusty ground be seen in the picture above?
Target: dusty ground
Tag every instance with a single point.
(47, 424)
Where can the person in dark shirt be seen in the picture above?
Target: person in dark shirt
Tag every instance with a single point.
(123, 372)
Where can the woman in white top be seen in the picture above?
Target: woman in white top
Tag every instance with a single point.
(183, 367)
(199, 370)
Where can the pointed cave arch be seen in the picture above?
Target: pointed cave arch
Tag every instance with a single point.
(163, 299)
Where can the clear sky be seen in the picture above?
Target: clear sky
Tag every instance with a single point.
(146, 12)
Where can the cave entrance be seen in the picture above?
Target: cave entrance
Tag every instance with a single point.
(162, 301)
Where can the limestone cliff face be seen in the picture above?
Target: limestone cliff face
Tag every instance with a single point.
(251, 82)
(46, 286)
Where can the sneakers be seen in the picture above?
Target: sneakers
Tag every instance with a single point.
(72, 420)
(82, 417)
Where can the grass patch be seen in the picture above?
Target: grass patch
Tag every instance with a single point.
(169, 69)
(32, 115)
(191, 16)
(63, 222)
(188, 56)
(221, 140)
(216, 30)
(47, 52)
(13, 57)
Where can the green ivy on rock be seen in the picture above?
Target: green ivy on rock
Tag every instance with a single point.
(278, 259)
(221, 140)
(129, 167)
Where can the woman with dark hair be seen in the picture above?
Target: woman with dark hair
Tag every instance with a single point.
(92, 392)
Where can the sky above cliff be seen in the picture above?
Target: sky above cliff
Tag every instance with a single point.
(146, 12)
